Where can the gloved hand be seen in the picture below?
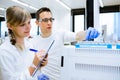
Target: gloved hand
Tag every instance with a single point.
(91, 33)
(43, 77)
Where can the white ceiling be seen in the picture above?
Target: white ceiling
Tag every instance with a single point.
(53, 4)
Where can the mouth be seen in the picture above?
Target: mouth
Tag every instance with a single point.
(49, 27)
(27, 32)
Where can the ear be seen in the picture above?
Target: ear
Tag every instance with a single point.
(9, 26)
(37, 23)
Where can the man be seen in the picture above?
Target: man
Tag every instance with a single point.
(45, 20)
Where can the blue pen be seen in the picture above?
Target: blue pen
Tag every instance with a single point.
(34, 50)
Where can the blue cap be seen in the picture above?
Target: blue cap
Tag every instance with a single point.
(109, 46)
(33, 50)
(77, 45)
(117, 46)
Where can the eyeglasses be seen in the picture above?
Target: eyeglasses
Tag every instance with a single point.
(46, 19)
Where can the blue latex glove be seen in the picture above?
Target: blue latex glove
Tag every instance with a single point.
(91, 33)
(43, 77)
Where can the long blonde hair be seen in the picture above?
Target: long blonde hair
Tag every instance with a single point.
(16, 15)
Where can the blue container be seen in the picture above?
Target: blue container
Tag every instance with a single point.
(117, 46)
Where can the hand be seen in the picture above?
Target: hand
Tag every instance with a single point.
(45, 61)
(43, 77)
(40, 54)
(92, 33)
(38, 57)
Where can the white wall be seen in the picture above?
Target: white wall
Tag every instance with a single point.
(62, 19)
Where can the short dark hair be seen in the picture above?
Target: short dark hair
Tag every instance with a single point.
(43, 9)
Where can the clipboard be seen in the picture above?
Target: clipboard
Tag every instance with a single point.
(42, 59)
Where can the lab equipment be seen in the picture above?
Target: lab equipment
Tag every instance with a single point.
(104, 33)
(117, 46)
(103, 45)
(90, 63)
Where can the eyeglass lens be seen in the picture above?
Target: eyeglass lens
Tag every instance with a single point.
(47, 19)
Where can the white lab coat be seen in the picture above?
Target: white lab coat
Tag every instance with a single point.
(14, 64)
(53, 68)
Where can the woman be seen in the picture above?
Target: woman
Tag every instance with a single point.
(17, 62)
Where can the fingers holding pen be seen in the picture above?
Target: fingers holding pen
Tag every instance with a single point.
(38, 57)
(40, 54)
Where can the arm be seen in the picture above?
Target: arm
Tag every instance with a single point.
(12, 70)
(91, 33)
(81, 35)
(37, 58)
(9, 70)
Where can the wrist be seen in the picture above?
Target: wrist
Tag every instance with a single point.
(32, 65)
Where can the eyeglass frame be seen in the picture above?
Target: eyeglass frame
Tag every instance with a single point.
(46, 19)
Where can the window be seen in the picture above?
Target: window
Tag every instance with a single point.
(4, 29)
(34, 28)
(79, 23)
(78, 16)
(109, 16)
(111, 20)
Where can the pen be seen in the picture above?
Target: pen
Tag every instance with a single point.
(34, 50)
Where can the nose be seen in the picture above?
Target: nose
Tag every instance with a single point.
(49, 21)
(28, 26)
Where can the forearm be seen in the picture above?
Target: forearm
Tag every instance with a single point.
(32, 67)
(31, 70)
(35, 63)
(81, 35)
